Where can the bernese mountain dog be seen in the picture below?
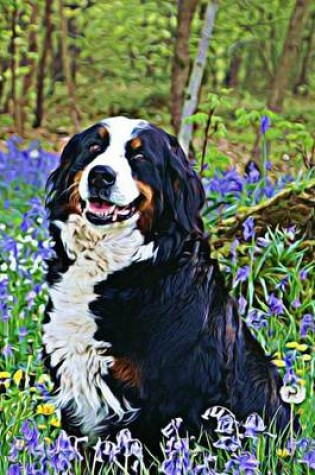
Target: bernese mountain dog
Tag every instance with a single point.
(139, 328)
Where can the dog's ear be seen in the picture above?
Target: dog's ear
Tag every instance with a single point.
(184, 189)
(57, 183)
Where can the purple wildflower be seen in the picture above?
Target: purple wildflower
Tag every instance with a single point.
(252, 173)
(276, 306)
(303, 274)
(309, 458)
(23, 331)
(15, 469)
(249, 228)
(254, 424)
(242, 274)
(263, 241)
(264, 124)
(226, 424)
(245, 463)
(290, 378)
(7, 350)
(231, 444)
(307, 323)
(283, 283)
(177, 457)
(256, 319)
(31, 437)
(268, 189)
(290, 358)
(296, 303)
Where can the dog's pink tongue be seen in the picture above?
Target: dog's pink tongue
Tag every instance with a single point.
(100, 207)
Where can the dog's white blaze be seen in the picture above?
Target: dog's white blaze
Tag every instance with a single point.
(68, 337)
(124, 190)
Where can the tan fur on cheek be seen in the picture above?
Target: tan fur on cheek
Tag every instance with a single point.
(146, 207)
(74, 200)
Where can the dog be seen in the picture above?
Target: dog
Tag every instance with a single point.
(139, 327)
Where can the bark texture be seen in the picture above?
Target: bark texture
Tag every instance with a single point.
(307, 59)
(66, 62)
(47, 23)
(180, 65)
(191, 102)
(289, 56)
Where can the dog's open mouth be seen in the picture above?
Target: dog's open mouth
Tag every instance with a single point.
(102, 212)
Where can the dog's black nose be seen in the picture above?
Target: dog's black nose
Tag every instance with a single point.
(101, 177)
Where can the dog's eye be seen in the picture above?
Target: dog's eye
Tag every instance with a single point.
(95, 148)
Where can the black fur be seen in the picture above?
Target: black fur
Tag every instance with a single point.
(172, 317)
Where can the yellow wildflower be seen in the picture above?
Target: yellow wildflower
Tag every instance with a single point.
(47, 439)
(306, 357)
(45, 409)
(279, 363)
(42, 426)
(55, 422)
(302, 347)
(283, 453)
(4, 375)
(17, 376)
(292, 344)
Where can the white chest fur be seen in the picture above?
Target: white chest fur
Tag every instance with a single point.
(69, 335)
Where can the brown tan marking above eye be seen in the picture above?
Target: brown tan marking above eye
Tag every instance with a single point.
(95, 148)
(136, 143)
(102, 132)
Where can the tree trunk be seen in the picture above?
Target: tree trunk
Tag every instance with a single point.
(47, 23)
(30, 62)
(67, 68)
(231, 77)
(16, 112)
(306, 62)
(180, 65)
(289, 56)
(185, 132)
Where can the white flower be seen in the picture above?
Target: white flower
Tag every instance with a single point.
(293, 394)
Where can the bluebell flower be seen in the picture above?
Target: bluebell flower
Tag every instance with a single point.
(282, 285)
(264, 124)
(296, 303)
(249, 228)
(231, 444)
(31, 437)
(309, 458)
(256, 319)
(242, 274)
(15, 469)
(227, 424)
(245, 463)
(276, 306)
(252, 173)
(303, 274)
(307, 324)
(254, 425)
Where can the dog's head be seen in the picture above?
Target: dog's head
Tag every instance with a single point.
(125, 172)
